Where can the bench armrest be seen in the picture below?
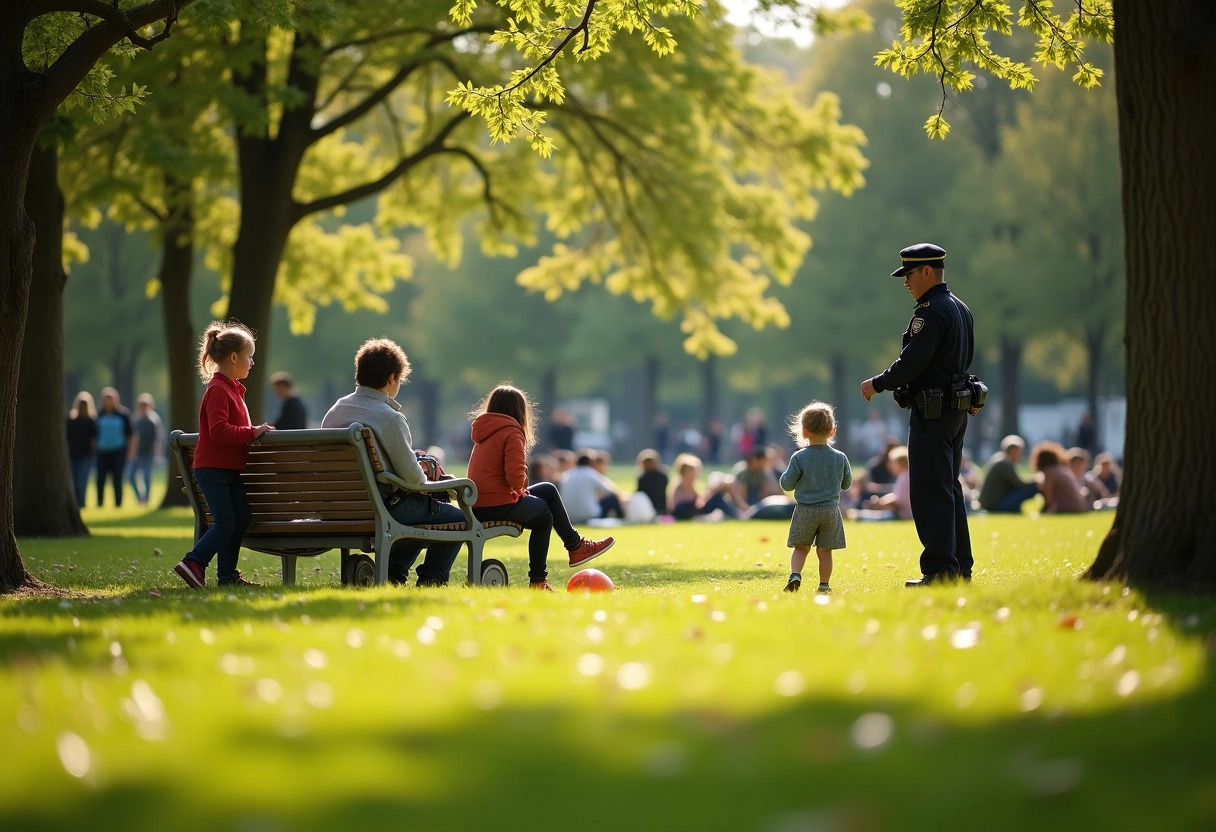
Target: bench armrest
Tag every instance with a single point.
(465, 490)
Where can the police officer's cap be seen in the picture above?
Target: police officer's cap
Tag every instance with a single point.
(921, 254)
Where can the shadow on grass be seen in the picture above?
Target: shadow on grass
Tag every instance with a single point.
(818, 764)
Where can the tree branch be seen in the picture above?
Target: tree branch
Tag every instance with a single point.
(384, 90)
(431, 148)
(583, 26)
(111, 14)
(70, 68)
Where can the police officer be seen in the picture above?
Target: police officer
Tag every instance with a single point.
(930, 376)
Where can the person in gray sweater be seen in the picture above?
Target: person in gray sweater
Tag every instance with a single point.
(816, 474)
(381, 368)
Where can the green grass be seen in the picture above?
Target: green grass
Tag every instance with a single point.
(698, 696)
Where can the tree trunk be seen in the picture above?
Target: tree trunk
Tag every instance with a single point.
(1011, 400)
(123, 360)
(44, 501)
(709, 393)
(264, 229)
(16, 274)
(840, 383)
(652, 375)
(546, 402)
(1166, 93)
(175, 276)
(426, 392)
(1094, 343)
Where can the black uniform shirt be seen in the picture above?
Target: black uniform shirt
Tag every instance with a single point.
(937, 346)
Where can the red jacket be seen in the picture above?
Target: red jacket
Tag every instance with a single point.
(499, 463)
(224, 427)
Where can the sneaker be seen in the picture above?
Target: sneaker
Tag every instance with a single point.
(193, 573)
(824, 588)
(239, 580)
(542, 586)
(794, 585)
(589, 550)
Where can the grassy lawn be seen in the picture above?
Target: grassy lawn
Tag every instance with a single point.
(698, 696)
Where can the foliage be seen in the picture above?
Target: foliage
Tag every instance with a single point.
(699, 689)
(944, 38)
(681, 187)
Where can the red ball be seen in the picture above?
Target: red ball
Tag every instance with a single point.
(590, 580)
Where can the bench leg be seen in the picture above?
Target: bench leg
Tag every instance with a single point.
(289, 570)
(382, 563)
(475, 554)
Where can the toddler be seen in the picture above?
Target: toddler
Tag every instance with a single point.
(817, 473)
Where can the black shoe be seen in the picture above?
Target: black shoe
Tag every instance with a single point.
(936, 579)
(794, 585)
(425, 582)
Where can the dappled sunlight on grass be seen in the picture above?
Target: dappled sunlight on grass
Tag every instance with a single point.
(699, 695)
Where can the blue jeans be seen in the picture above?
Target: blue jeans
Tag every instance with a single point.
(81, 468)
(224, 491)
(689, 510)
(1011, 503)
(141, 468)
(436, 567)
(541, 512)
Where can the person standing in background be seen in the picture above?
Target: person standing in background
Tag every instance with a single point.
(82, 443)
(113, 437)
(147, 447)
(293, 415)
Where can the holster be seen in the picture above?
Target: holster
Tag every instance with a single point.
(929, 403)
(903, 397)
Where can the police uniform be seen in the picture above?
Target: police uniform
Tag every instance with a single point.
(938, 346)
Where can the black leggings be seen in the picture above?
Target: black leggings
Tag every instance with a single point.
(541, 512)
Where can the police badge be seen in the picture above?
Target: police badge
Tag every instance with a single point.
(917, 325)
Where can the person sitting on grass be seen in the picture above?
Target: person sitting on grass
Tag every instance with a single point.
(898, 503)
(1061, 492)
(587, 492)
(687, 501)
(652, 479)
(816, 474)
(1003, 490)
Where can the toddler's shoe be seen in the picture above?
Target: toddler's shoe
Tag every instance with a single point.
(588, 550)
(795, 583)
(824, 588)
(541, 586)
(193, 573)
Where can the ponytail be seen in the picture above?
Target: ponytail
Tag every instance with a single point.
(220, 339)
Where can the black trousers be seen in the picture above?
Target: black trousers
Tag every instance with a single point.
(110, 464)
(939, 509)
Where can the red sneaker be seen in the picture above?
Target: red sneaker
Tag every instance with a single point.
(542, 586)
(193, 573)
(589, 550)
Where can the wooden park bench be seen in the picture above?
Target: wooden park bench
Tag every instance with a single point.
(316, 490)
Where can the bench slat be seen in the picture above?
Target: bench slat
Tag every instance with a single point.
(323, 528)
(287, 467)
(264, 503)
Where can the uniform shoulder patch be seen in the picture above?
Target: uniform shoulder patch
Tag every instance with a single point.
(917, 325)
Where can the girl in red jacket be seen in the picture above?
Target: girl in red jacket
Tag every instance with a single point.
(504, 430)
(225, 357)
